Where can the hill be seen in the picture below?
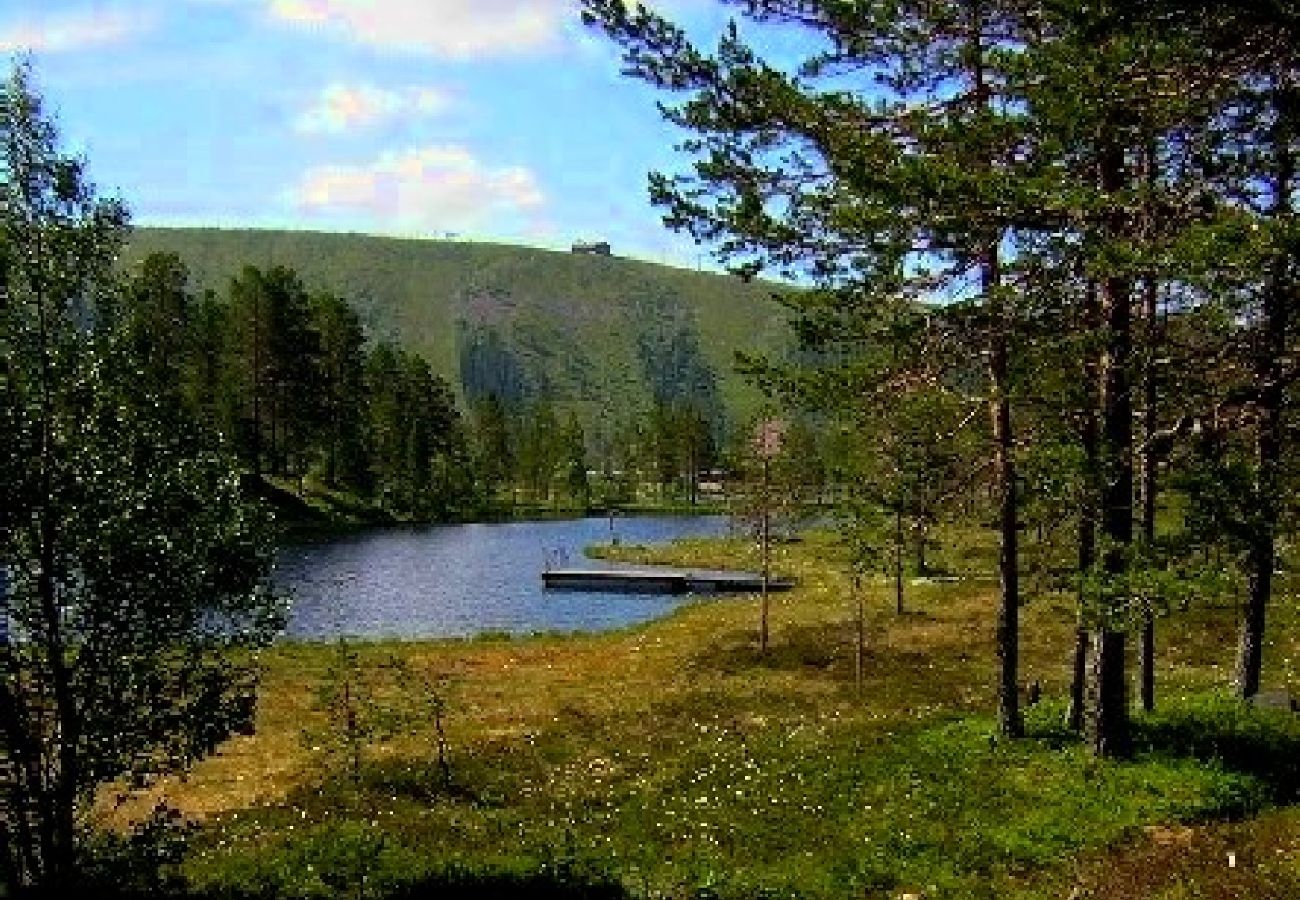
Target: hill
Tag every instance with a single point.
(600, 334)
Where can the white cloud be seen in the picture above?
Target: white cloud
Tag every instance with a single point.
(449, 29)
(341, 108)
(425, 188)
(96, 26)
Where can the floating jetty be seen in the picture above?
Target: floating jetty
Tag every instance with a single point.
(660, 581)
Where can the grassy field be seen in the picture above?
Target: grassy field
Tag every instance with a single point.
(671, 760)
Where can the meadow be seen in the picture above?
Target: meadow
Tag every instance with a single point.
(672, 760)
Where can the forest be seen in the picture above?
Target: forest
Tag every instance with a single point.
(1078, 217)
(310, 404)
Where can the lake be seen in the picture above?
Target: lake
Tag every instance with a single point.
(460, 580)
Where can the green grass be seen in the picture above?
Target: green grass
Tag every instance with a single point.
(671, 760)
(825, 808)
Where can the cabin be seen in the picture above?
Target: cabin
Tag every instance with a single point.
(712, 481)
(593, 248)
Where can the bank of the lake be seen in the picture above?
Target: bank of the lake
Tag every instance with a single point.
(437, 581)
(670, 758)
(307, 510)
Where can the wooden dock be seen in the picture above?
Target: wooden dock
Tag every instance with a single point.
(645, 580)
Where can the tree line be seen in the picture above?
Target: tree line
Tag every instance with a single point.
(291, 381)
(1053, 242)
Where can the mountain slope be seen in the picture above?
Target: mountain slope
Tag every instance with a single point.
(595, 333)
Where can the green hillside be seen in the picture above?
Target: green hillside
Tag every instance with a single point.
(596, 333)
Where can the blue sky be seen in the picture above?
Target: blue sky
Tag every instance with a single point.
(486, 119)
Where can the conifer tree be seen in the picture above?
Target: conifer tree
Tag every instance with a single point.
(885, 169)
(1124, 99)
(157, 312)
(342, 369)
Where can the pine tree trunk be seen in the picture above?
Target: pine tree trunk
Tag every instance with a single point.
(1269, 375)
(1010, 722)
(1082, 638)
(335, 403)
(860, 623)
(694, 474)
(1108, 726)
(1078, 678)
(898, 561)
(1147, 636)
(1107, 722)
(1090, 441)
(766, 538)
(256, 382)
(276, 467)
(1261, 553)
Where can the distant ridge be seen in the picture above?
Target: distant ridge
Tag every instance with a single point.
(595, 333)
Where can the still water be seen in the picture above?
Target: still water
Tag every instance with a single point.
(460, 580)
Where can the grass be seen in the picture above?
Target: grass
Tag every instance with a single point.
(671, 760)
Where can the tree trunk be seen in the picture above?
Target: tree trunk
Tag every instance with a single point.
(1090, 441)
(1269, 375)
(257, 380)
(1108, 725)
(1079, 663)
(1147, 485)
(1078, 677)
(860, 622)
(1107, 722)
(55, 786)
(1147, 658)
(335, 402)
(277, 467)
(1010, 722)
(10, 876)
(898, 561)
(1261, 553)
(766, 539)
(20, 775)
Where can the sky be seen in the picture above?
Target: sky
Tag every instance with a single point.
(500, 120)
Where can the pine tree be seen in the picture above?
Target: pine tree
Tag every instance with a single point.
(886, 169)
(157, 315)
(342, 369)
(493, 452)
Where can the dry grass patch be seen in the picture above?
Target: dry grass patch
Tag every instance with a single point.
(674, 755)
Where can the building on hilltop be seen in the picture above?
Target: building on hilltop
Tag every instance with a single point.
(595, 248)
